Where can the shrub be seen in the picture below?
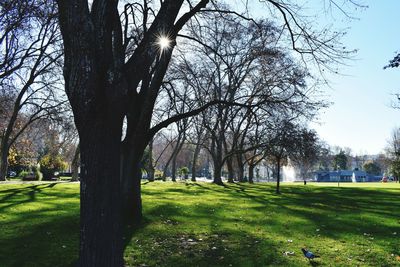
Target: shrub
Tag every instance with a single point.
(50, 164)
(184, 171)
(29, 176)
(22, 174)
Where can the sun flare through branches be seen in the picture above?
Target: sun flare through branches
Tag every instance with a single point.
(163, 43)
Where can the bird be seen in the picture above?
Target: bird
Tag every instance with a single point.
(308, 254)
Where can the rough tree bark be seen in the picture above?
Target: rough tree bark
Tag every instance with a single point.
(96, 89)
(101, 222)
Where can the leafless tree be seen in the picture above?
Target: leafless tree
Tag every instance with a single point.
(30, 68)
(304, 155)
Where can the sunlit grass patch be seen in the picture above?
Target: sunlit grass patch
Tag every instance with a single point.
(202, 224)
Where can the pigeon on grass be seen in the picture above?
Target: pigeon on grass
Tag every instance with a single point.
(308, 254)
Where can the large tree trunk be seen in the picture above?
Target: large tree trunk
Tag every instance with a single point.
(131, 185)
(101, 85)
(101, 241)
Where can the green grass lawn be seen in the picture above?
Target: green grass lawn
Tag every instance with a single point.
(201, 224)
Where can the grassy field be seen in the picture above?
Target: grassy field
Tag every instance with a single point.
(201, 224)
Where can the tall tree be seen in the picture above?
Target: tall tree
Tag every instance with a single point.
(393, 152)
(340, 161)
(371, 167)
(29, 66)
(101, 86)
(306, 152)
(282, 143)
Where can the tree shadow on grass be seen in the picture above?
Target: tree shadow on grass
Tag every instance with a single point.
(343, 214)
(53, 242)
(40, 227)
(163, 242)
(18, 196)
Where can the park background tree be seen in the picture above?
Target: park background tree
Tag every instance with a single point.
(340, 161)
(371, 167)
(393, 153)
(30, 69)
(305, 154)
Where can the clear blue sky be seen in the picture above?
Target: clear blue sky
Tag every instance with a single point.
(362, 117)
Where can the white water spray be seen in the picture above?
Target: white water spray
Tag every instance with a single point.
(288, 174)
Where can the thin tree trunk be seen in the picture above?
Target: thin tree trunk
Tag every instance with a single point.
(217, 175)
(178, 148)
(75, 164)
(229, 161)
(231, 172)
(173, 168)
(169, 161)
(278, 174)
(251, 173)
(240, 168)
(217, 161)
(4, 160)
(150, 174)
(194, 160)
(6, 143)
